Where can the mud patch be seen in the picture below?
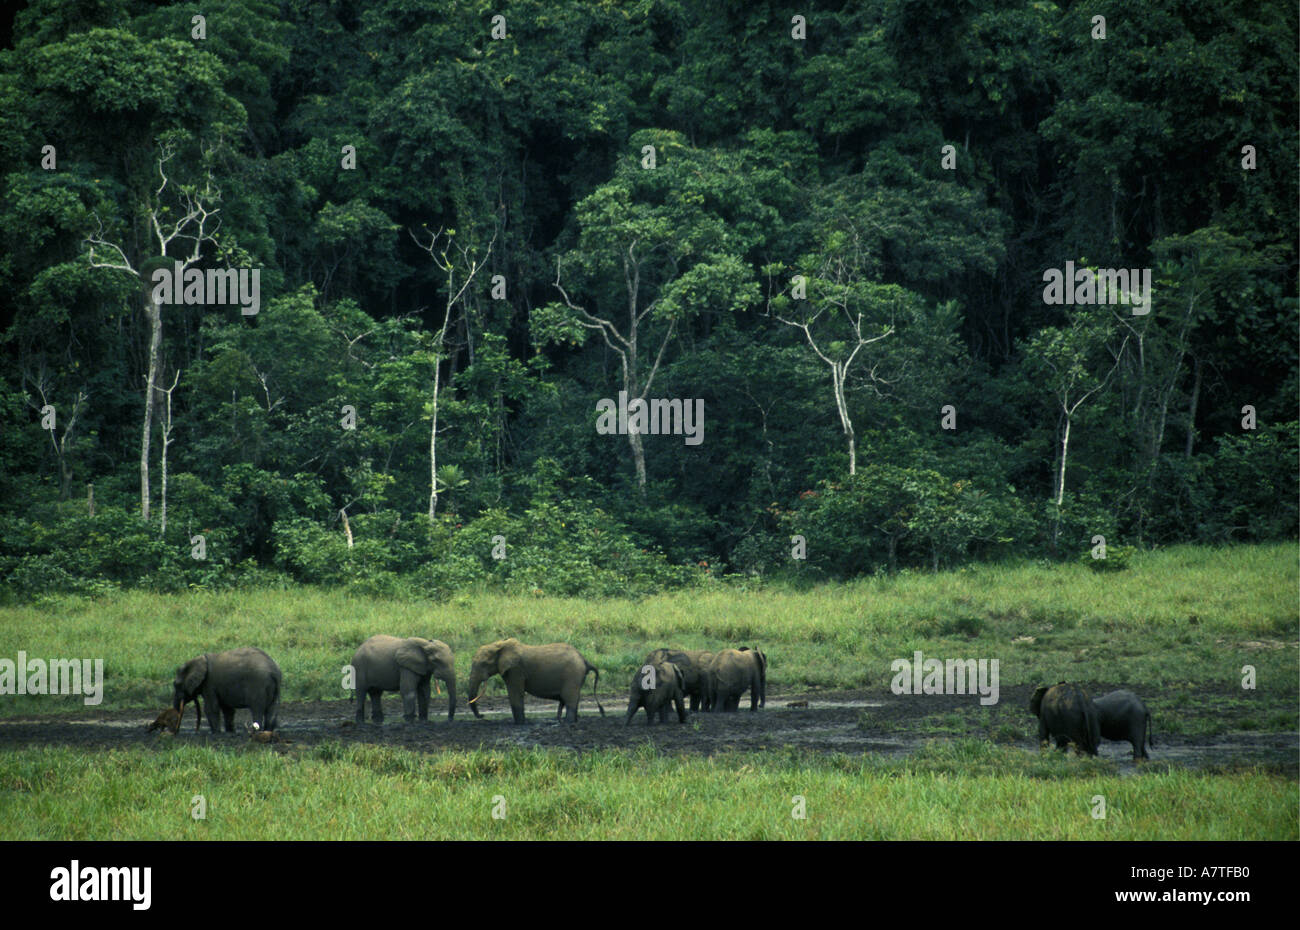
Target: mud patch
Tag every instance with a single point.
(850, 722)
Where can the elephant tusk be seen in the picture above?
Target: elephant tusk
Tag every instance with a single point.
(437, 687)
(475, 698)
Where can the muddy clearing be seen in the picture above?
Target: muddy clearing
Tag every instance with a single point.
(849, 722)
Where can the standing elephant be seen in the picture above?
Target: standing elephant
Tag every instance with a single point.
(735, 671)
(555, 672)
(693, 666)
(244, 677)
(386, 663)
(655, 686)
(1122, 716)
(1066, 712)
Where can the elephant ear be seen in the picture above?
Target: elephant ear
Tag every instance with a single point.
(508, 657)
(194, 673)
(410, 656)
(1036, 702)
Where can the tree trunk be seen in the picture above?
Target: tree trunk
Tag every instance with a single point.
(638, 457)
(1065, 449)
(842, 407)
(1191, 412)
(154, 313)
(433, 448)
(166, 442)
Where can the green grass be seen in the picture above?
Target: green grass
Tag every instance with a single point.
(1177, 617)
(954, 790)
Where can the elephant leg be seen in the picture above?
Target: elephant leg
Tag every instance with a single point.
(663, 711)
(422, 699)
(515, 692)
(228, 714)
(272, 714)
(361, 703)
(754, 689)
(1042, 734)
(559, 710)
(681, 708)
(408, 686)
(213, 713)
(631, 711)
(1137, 736)
(376, 706)
(695, 701)
(571, 710)
(1062, 742)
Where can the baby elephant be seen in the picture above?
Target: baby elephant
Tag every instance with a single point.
(654, 687)
(1122, 716)
(1066, 712)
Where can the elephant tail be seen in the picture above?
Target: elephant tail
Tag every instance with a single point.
(595, 683)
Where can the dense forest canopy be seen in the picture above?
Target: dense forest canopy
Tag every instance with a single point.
(378, 294)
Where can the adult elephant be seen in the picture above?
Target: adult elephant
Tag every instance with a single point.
(555, 672)
(1122, 716)
(693, 665)
(1067, 713)
(387, 663)
(656, 686)
(244, 677)
(735, 671)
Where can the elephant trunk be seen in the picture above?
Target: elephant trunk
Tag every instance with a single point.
(475, 682)
(450, 682)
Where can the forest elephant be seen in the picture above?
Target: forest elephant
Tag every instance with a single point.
(244, 677)
(693, 666)
(554, 672)
(735, 671)
(1122, 716)
(387, 663)
(655, 686)
(1067, 713)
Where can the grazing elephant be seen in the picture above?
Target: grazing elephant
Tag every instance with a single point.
(693, 665)
(1122, 716)
(735, 671)
(386, 663)
(244, 677)
(1066, 712)
(555, 672)
(655, 686)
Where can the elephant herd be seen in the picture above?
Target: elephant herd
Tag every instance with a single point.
(667, 679)
(1067, 714)
(248, 678)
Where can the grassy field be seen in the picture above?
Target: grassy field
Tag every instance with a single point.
(1178, 626)
(1178, 616)
(958, 790)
